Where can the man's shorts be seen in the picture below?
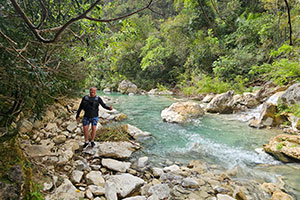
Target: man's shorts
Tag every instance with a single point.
(86, 121)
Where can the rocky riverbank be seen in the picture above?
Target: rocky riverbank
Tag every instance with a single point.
(53, 147)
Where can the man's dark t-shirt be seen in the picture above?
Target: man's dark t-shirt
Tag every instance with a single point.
(90, 105)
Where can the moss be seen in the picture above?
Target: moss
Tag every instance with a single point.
(11, 156)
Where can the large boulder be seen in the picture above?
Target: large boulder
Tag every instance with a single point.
(124, 184)
(127, 87)
(268, 117)
(243, 102)
(136, 132)
(221, 103)
(66, 191)
(284, 147)
(180, 112)
(268, 90)
(117, 150)
(291, 96)
(159, 92)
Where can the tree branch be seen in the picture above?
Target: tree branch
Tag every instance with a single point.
(122, 17)
(61, 29)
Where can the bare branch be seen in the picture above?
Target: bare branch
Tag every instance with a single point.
(61, 29)
(45, 14)
(122, 17)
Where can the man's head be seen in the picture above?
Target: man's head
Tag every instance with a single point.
(93, 91)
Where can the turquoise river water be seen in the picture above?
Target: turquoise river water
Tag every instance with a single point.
(224, 141)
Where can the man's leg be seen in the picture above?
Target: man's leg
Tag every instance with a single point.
(94, 128)
(86, 133)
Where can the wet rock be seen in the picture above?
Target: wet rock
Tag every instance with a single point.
(142, 162)
(95, 178)
(284, 147)
(127, 87)
(268, 90)
(180, 112)
(221, 103)
(158, 92)
(125, 184)
(116, 165)
(66, 191)
(136, 133)
(161, 191)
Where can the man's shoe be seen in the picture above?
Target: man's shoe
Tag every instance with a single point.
(86, 144)
(93, 144)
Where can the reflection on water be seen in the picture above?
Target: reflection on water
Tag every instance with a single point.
(222, 140)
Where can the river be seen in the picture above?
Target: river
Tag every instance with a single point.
(224, 141)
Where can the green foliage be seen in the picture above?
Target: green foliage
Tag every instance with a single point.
(284, 68)
(279, 146)
(36, 193)
(117, 133)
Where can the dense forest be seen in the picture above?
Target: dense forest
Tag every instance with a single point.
(53, 49)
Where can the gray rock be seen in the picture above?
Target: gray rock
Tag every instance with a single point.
(59, 139)
(190, 183)
(115, 165)
(180, 112)
(51, 127)
(125, 184)
(95, 178)
(24, 126)
(89, 194)
(76, 176)
(208, 98)
(161, 191)
(224, 197)
(82, 165)
(137, 133)
(116, 149)
(66, 191)
(96, 190)
(72, 126)
(142, 162)
(171, 168)
(127, 87)
(221, 103)
(136, 198)
(292, 95)
(157, 172)
(110, 191)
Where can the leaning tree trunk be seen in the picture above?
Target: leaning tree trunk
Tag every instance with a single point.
(290, 23)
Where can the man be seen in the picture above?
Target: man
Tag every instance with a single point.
(90, 105)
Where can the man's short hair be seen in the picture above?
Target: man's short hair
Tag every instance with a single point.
(93, 88)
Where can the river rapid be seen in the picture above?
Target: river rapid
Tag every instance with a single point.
(225, 142)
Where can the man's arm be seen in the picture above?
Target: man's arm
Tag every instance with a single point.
(104, 105)
(79, 110)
